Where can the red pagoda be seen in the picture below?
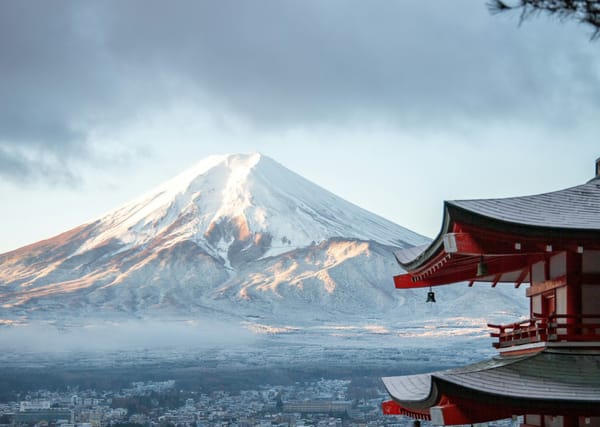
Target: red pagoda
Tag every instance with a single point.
(548, 366)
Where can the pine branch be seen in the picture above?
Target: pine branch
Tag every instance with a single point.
(583, 11)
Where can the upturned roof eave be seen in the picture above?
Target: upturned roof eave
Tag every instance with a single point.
(434, 248)
(416, 391)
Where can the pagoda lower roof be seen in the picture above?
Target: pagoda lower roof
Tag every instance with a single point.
(548, 377)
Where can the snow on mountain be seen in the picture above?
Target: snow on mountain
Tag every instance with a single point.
(234, 237)
(231, 198)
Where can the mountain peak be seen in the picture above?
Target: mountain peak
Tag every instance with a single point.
(249, 198)
(241, 163)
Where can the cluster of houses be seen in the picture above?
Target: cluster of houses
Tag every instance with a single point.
(323, 403)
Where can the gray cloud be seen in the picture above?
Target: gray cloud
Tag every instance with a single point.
(70, 68)
(294, 62)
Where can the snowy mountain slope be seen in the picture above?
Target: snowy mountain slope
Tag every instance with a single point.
(238, 237)
(227, 199)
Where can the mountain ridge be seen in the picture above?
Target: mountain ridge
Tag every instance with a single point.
(236, 237)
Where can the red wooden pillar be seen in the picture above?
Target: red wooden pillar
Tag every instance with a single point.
(574, 271)
(570, 421)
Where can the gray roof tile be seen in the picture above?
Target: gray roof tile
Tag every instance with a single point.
(573, 208)
(546, 376)
(573, 211)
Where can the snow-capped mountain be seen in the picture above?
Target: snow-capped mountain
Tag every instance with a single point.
(229, 205)
(234, 237)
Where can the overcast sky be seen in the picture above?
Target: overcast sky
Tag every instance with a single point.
(393, 105)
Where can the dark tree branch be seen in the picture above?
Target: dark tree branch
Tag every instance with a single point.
(583, 11)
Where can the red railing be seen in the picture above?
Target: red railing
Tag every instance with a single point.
(554, 328)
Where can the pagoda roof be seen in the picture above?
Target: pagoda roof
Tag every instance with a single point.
(545, 378)
(509, 231)
(575, 208)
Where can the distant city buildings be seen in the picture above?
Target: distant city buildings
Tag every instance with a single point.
(34, 406)
(321, 403)
(317, 406)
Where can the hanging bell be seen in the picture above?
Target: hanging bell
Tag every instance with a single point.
(430, 296)
(482, 269)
